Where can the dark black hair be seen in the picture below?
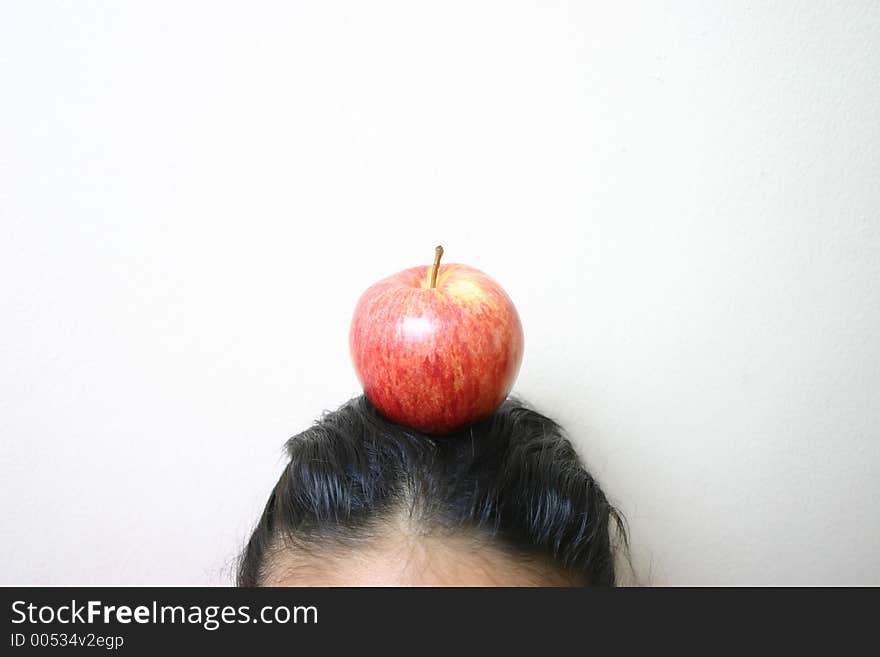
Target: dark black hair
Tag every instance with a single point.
(513, 475)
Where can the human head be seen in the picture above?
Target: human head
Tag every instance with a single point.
(505, 501)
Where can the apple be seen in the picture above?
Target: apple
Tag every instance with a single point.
(436, 348)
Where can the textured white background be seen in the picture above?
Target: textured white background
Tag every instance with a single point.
(683, 203)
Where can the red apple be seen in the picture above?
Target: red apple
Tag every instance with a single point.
(436, 347)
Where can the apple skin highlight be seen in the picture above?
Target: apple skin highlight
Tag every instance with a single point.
(436, 359)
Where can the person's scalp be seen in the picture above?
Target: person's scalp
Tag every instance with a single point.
(513, 477)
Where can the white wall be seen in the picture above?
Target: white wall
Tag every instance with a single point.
(682, 202)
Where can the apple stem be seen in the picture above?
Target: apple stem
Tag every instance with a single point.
(438, 253)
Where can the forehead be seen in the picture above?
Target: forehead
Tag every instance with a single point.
(408, 561)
